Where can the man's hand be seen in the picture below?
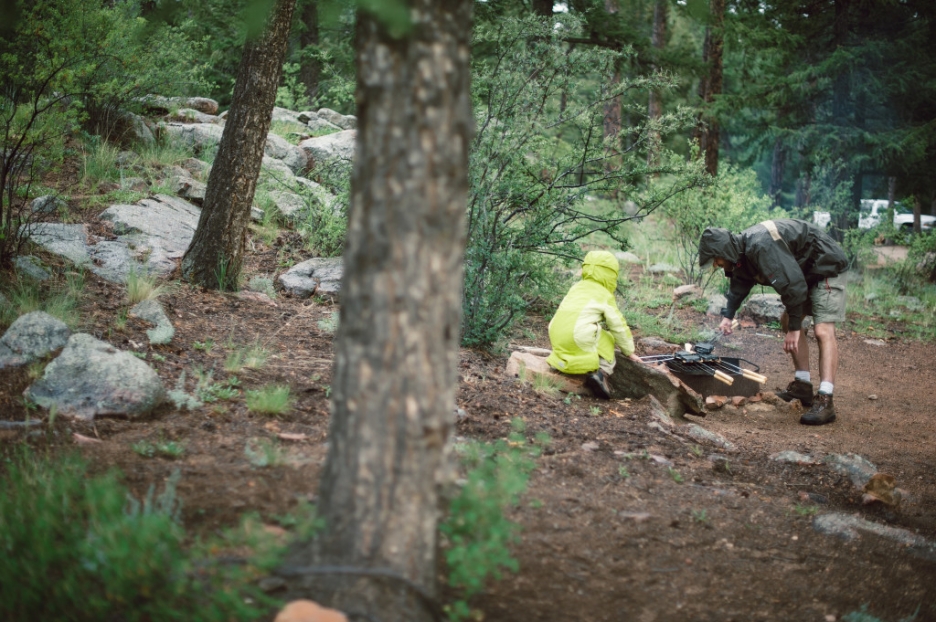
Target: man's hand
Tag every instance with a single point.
(725, 326)
(635, 358)
(791, 342)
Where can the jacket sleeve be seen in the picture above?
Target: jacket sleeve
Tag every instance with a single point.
(776, 263)
(738, 289)
(619, 329)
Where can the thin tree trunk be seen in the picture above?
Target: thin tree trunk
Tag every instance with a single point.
(803, 190)
(777, 171)
(396, 353)
(655, 105)
(216, 254)
(310, 71)
(710, 86)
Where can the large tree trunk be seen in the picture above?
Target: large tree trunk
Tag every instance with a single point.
(216, 254)
(397, 345)
(655, 105)
(310, 68)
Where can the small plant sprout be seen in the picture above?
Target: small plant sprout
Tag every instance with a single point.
(696, 451)
(248, 357)
(700, 516)
(623, 472)
(161, 448)
(805, 509)
(271, 400)
(263, 452)
(673, 473)
(330, 324)
(594, 411)
(204, 346)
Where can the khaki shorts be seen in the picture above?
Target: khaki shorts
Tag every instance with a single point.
(826, 302)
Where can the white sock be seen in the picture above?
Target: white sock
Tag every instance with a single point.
(802, 375)
(825, 387)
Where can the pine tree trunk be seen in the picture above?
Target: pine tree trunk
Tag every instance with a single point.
(216, 254)
(655, 105)
(396, 353)
(711, 85)
(777, 171)
(310, 71)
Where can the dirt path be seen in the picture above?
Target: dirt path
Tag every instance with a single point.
(622, 521)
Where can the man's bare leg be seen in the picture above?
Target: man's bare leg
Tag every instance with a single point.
(828, 351)
(801, 356)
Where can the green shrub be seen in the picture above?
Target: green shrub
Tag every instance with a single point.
(536, 167)
(735, 201)
(271, 400)
(477, 534)
(78, 547)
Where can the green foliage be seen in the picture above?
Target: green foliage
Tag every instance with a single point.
(142, 286)
(734, 201)
(79, 547)
(181, 399)
(57, 298)
(161, 448)
(270, 400)
(477, 533)
(536, 165)
(253, 356)
(207, 390)
(329, 324)
(263, 452)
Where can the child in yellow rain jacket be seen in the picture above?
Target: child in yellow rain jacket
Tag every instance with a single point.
(588, 325)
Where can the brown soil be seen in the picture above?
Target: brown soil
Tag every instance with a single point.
(608, 531)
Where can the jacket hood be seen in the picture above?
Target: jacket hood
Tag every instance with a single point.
(601, 267)
(718, 242)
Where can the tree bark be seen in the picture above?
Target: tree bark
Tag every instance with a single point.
(777, 171)
(310, 71)
(655, 105)
(216, 254)
(396, 354)
(543, 7)
(711, 85)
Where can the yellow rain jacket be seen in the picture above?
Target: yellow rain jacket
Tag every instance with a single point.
(576, 333)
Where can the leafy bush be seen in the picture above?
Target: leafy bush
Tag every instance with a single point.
(78, 547)
(536, 165)
(735, 201)
(477, 533)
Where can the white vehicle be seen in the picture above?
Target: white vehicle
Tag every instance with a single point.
(821, 219)
(872, 210)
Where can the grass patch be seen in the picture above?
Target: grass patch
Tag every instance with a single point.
(79, 547)
(270, 400)
(162, 449)
(253, 356)
(60, 299)
(142, 286)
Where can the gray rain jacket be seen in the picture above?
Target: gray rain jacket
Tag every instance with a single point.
(789, 255)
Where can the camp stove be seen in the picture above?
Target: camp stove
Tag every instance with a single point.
(709, 374)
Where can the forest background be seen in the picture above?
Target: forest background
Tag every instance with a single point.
(588, 117)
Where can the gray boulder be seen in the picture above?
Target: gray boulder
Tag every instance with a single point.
(337, 146)
(199, 137)
(320, 276)
(190, 115)
(281, 149)
(318, 125)
(48, 204)
(31, 267)
(92, 378)
(716, 302)
(345, 122)
(164, 105)
(627, 257)
(662, 268)
(152, 312)
(764, 307)
(31, 337)
(189, 189)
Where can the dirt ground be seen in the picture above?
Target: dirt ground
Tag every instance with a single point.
(608, 533)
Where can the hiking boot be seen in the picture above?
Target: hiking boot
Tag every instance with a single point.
(598, 384)
(798, 390)
(822, 411)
